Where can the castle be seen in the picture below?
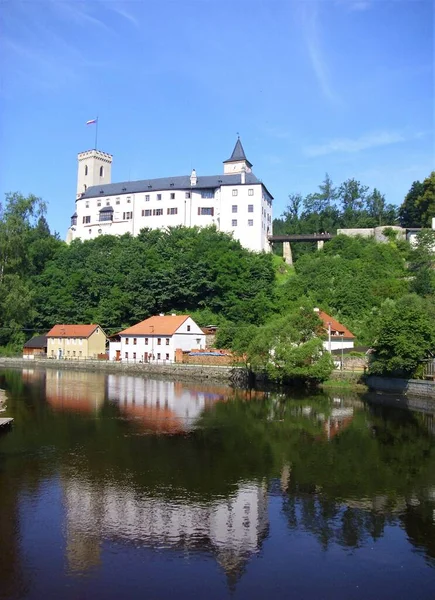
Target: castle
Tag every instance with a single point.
(234, 202)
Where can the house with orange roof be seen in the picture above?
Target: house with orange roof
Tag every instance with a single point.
(76, 342)
(339, 336)
(156, 339)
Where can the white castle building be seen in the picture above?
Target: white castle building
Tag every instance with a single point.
(235, 202)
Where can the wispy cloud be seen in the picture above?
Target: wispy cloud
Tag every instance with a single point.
(119, 8)
(316, 52)
(364, 142)
(80, 12)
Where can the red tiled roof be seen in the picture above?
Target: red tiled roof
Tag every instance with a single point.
(335, 325)
(166, 325)
(72, 331)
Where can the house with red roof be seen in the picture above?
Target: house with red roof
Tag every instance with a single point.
(339, 336)
(76, 342)
(156, 339)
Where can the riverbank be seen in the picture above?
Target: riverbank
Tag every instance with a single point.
(237, 376)
(345, 380)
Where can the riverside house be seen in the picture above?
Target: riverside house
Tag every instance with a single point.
(76, 342)
(339, 336)
(157, 338)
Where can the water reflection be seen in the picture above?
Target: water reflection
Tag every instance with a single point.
(242, 476)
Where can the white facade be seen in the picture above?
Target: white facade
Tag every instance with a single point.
(157, 346)
(235, 202)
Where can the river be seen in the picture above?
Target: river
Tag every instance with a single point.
(112, 485)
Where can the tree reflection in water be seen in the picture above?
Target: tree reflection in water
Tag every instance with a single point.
(172, 465)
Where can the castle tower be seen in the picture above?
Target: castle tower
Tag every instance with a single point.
(94, 168)
(237, 163)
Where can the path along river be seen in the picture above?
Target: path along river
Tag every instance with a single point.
(116, 486)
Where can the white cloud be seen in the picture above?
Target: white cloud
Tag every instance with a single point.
(348, 145)
(316, 52)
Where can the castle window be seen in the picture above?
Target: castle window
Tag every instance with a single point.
(98, 203)
(207, 195)
(127, 215)
(172, 196)
(86, 170)
(90, 232)
(234, 223)
(106, 216)
(159, 196)
(187, 195)
(87, 204)
(250, 223)
(101, 171)
(234, 208)
(235, 192)
(74, 220)
(206, 211)
(158, 212)
(107, 202)
(250, 208)
(128, 199)
(147, 213)
(147, 197)
(172, 211)
(117, 201)
(250, 192)
(86, 219)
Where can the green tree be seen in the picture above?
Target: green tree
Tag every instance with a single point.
(405, 336)
(409, 211)
(291, 348)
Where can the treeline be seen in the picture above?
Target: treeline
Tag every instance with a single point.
(353, 205)
(384, 293)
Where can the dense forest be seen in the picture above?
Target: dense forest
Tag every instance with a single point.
(385, 293)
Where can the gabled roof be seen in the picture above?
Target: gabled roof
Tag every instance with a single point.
(39, 341)
(166, 325)
(335, 325)
(238, 154)
(72, 331)
(181, 182)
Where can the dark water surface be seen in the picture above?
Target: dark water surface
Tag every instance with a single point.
(115, 486)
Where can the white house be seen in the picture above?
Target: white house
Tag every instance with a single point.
(339, 336)
(156, 339)
(234, 201)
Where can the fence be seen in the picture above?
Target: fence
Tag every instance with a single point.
(429, 369)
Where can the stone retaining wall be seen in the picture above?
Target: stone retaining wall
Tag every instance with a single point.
(229, 375)
(415, 387)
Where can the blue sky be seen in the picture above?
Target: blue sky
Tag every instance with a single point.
(337, 86)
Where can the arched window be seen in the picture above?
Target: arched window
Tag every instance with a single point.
(101, 171)
(86, 169)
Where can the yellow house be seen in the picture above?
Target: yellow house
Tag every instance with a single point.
(76, 341)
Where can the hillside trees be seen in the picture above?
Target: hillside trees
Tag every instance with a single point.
(26, 245)
(351, 204)
(117, 281)
(418, 207)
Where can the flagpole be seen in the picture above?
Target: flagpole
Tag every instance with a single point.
(96, 133)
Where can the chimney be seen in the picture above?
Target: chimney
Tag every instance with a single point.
(193, 178)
